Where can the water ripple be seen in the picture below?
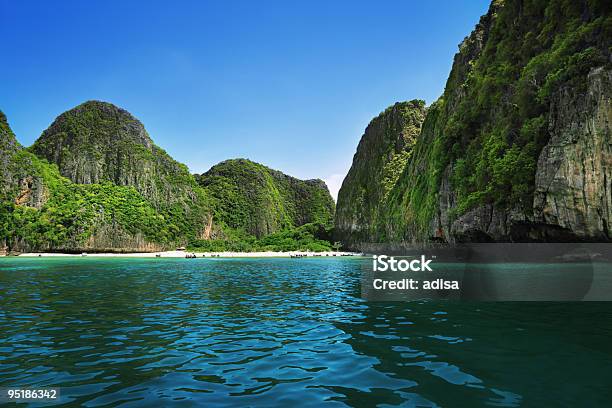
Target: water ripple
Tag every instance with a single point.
(270, 332)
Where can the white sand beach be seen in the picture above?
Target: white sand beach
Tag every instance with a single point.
(185, 254)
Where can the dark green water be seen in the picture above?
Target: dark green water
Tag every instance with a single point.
(282, 332)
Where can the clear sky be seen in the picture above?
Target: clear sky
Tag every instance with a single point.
(288, 84)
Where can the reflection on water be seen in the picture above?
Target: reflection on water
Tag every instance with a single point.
(271, 332)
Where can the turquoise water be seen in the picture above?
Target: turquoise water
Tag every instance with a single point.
(284, 332)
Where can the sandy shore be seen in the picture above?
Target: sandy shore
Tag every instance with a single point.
(183, 254)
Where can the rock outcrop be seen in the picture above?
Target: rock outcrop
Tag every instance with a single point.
(98, 142)
(20, 181)
(573, 183)
(122, 193)
(258, 200)
(8, 147)
(572, 187)
(382, 154)
(518, 148)
(95, 181)
(22, 185)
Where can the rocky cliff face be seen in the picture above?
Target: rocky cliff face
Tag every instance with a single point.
(22, 185)
(573, 182)
(572, 200)
(19, 181)
(99, 142)
(383, 151)
(259, 200)
(8, 148)
(95, 181)
(555, 159)
(125, 194)
(518, 146)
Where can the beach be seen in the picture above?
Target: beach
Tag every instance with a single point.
(185, 254)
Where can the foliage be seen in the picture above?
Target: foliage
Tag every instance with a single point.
(97, 143)
(141, 193)
(261, 201)
(383, 152)
(485, 134)
(308, 237)
(497, 130)
(54, 213)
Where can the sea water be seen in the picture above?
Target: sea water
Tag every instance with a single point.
(284, 332)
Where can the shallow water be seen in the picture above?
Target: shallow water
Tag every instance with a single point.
(284, 332)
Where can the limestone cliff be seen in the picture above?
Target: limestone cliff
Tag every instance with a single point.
(142, 200)
(95, 181)
(8, 147)
(550, 169)
(382, 154)
(572, 186)
(19, 181)
(261, 201)
(573, 183)
(518, 148)
(97, 142)
(21, 185)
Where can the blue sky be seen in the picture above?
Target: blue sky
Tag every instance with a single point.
(291, 85)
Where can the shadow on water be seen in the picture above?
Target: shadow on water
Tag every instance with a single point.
(274, 332)
(498, 354)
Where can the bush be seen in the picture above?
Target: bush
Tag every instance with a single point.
(309, 237)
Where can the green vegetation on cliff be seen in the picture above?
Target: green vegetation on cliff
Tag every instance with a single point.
(95, 181)
(473, 167)
(493, 134)
(8, 143)
(485, 134)
(260, 201)
(99, 142)
(381, 157)
(126, 193)
(307, 237)
(42, 210)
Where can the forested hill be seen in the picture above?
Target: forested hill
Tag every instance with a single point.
(98, 142)
(95, 181)
(261, 201)
(40, 210)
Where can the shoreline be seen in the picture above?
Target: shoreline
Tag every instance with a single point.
(189, 254)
